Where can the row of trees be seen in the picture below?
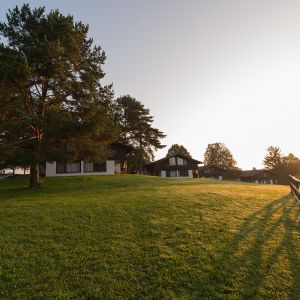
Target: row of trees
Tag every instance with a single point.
(52, 103)
(54, 107)
(280, 165)
(218, 155)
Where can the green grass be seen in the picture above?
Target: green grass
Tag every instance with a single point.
(135, 237)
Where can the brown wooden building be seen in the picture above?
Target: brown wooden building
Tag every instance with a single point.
(212, 172)
(253, 176)
(177, 166)
(256, 176)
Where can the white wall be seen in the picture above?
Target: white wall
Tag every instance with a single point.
(51, 170)
(163, 174)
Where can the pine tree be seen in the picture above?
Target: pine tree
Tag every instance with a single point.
(281, 166)
(51, 99)
(135, 125)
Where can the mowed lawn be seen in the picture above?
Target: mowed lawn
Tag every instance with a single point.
(138, 237)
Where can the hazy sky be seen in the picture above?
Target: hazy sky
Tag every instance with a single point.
(210, 71)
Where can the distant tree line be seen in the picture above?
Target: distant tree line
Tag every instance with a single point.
(280, 165)
(52, 103)
(219, 156)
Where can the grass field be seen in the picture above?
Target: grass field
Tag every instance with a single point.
(135, 237)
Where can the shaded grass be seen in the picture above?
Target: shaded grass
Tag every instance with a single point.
(138, 237)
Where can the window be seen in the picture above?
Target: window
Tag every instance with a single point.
(60, 167)
(63, 167)
(183, 173)
(99, 167)
(181, 161)
(74, 167)
(172, 161)
(173, 173)
(88, 167)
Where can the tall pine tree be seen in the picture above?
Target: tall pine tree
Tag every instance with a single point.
(136, 129)
(51, 101)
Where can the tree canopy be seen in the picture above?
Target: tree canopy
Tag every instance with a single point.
(218, 155)
(51, 101)
(281, 166)
(273, 159)
(136, 128)
(178, 149)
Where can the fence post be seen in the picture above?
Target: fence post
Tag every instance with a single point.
(294, 185)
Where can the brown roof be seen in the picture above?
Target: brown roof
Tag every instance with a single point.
(126, 147)
(250, 173)
(176, 155)
(211, 167)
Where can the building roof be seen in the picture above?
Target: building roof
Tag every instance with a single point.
(209, 167)
(250, 173)
(126, 147)
(177, 155)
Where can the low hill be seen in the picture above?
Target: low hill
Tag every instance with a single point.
(146, 237)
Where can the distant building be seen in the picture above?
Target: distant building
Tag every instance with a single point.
(256, 176)
(177, 166)
(212, 172)
(253, 176)
(116, 164)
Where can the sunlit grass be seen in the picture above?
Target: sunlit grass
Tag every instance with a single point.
(146, 237)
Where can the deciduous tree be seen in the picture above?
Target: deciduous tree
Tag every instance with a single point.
(178, 149)
(218, 155)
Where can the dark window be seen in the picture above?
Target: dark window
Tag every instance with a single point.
(99, 167)
(88, 167)
(183, 173)
(60, 167)
(63, 167)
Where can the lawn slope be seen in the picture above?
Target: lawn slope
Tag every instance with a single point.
(138, 237)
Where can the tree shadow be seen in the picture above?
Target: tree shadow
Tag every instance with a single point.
(248, 260)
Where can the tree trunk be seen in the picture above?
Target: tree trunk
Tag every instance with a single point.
(141, 163)
(34, 181)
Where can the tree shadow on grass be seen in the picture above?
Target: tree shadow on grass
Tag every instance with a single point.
(263, 245)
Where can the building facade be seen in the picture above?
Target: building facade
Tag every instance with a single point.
(256, 176)
(116, 164)
(177, 166)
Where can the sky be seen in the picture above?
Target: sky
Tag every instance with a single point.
(209, 71)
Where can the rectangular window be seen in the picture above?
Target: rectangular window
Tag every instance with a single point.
(63, 167)
(172, 161)
(99, 167)
(183, 173)
(88, 167)
(74, 167)
(60, 167)
(181, 161)
(173, 173)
